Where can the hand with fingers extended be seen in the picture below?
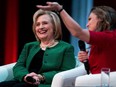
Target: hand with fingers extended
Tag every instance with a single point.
(51, 6)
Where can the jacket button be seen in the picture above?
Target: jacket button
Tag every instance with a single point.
(45, 61)
(46, 54)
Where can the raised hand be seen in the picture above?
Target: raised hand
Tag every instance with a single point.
(50, 6)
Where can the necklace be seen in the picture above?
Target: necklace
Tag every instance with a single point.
(50, 44)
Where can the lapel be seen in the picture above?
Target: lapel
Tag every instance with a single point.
(32, 53)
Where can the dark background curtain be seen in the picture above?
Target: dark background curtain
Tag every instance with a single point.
(8, 31)
(2, 28)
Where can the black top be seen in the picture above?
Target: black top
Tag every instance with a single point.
(36, 62)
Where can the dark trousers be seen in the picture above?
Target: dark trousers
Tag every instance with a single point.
(15, 84)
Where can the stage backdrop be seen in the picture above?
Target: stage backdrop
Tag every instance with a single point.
(11, 33)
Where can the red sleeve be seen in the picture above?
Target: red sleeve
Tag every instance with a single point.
(101, 38)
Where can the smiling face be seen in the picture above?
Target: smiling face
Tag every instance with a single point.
(93, 20)
(44, 28)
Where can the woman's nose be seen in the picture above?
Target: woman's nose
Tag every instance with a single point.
(41, 26)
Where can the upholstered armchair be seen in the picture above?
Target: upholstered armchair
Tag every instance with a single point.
(67, 78)
(78, 77)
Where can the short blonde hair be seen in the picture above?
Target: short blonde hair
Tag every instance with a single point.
(55, 21)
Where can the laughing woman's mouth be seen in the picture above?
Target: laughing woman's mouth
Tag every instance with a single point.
(43, 31)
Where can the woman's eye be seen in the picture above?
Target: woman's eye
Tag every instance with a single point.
(37, 24)
(45, 22)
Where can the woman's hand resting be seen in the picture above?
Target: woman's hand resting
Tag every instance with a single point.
(34, 76)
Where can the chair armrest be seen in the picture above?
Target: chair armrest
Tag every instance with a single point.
(67, 78)
(6, 72)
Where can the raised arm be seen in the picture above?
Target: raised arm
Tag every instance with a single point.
(74, 28)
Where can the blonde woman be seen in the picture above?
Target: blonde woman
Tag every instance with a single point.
(42, 59)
